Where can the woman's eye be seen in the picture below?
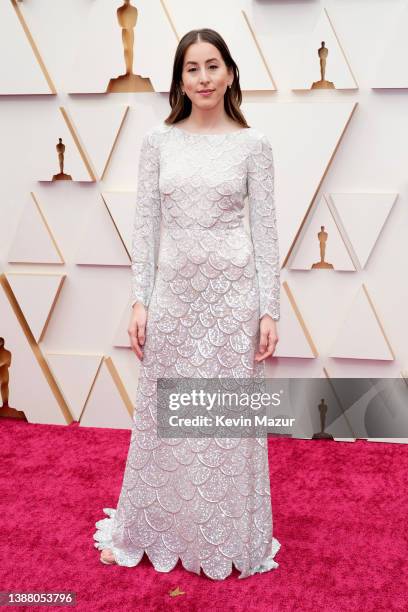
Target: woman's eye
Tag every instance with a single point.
(191, 69)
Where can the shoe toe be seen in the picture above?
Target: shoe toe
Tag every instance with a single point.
(107, 558)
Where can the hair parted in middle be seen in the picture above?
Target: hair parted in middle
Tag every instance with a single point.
(181, 104)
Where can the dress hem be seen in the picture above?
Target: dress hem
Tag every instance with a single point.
(103, 537)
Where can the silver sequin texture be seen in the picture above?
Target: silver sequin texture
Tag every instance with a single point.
(206, 284)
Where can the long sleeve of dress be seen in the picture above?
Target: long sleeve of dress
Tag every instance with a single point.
(146, 226)
(262, 217)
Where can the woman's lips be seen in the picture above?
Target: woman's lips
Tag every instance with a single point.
(206, 93)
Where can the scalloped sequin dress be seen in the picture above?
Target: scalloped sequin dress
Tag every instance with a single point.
(206, 282)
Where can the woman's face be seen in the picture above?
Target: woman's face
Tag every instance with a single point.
(204, 69)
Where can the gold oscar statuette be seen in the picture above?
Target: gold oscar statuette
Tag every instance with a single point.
(5, 363)
(322, 435)
(322, 235)
(128, 82)
(61, 176)
(323, 84)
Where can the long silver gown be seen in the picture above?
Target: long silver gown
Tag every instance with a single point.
(206, 283)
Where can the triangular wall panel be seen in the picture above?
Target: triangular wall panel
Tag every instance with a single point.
(100, 243)
(317, 131)
(122, 207)
(295, 339)
(308, 251)
(36, 295)
(76, 164)
(361, 335)
(22, 69)
(108, 404)
(391, 70)
(32, 388)
(34, 241)
(76, 375)
(337, 71)
(363, 215)
(98, 128)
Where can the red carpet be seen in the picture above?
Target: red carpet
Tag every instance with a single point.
(340, 512)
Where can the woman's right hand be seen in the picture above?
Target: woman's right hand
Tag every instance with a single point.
(137, 329)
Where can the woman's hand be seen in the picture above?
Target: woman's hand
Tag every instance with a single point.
(137, 329)
(268, 338)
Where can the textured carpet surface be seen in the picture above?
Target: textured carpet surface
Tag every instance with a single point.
(339, 510)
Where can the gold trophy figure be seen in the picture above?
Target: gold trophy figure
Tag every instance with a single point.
(322, 435)
(128, 82)
(5, 363)
(323, 84)
(61, 176)
(322, 235)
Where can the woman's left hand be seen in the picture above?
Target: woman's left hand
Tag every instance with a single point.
(268, 338)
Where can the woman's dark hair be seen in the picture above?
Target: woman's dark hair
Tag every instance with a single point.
(181, 104)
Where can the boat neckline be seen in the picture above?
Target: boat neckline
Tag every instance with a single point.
(209, 133)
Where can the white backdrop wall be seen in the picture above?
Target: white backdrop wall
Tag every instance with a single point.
(333, 149)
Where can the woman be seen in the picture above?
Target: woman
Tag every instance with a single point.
(212, 304)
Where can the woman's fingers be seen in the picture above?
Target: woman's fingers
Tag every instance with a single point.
(137, 338)
(267, 345)
(263, 341)
(273, 341)
(137, 329)
(141, 334)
